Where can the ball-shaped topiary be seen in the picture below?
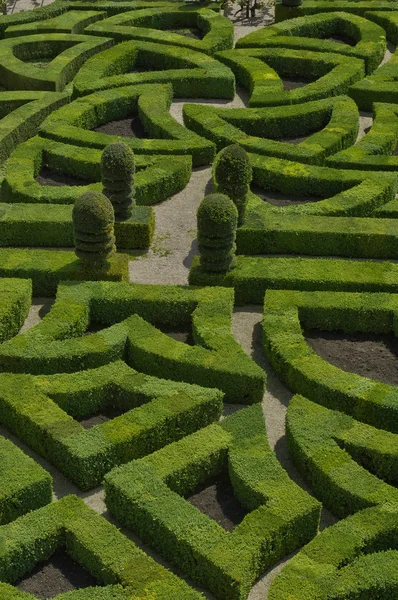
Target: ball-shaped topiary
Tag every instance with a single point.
(233, 174)
(217, 220)
(93, 222)
(118, 169)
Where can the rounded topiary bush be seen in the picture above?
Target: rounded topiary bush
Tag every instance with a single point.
(93, 222)
(217, 221)
(233, 174)
(118, 169)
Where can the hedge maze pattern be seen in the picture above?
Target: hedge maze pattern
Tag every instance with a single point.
(323, 259)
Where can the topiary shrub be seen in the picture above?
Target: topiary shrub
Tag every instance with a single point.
(93, 221)
(217, 222)
(118, 169)
(233, 175)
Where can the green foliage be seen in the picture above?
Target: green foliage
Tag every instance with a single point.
(146, 496)
(93, 221)
(233, 174)
(118, 170)
(108, 555)
(217, 221)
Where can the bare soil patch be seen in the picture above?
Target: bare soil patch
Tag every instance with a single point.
(279, 199)
(131, 127)
(368, 354)
(49, 177)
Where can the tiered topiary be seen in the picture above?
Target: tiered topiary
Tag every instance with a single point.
(93, 221)
(233, 174)
(217, 222)
(118, 169)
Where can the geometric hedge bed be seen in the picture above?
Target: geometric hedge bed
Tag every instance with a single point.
(100, 393)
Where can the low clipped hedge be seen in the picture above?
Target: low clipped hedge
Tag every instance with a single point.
(133, 313)
(21, 114)
(153, 25)
(46, 268)
(146, 496)
(16, 297)
(350, 466)
(151, 102)
(313, 7)
(151, 413)
(260, 71)
(253, 275)
(91, 541)
(24, 485)
(70, 51)
(157, 177)
(192, 74)
(306, 373)
(257, 130)
(29, 16)
(71, 21)
(312, 32)
(355, 558)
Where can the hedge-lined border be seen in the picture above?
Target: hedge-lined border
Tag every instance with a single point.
(350, 466)
(286, 313)
(252, 276)
(145, 495)
(46, 268)
(147, 25)
(151, 101)
(192, 74)
(72, 21)
(22, 113)
(92, 542)
(70, 50)
(257, 130)
(313, 7)
(14, 308)
(311, 33)
(355, 558)
(133, 312)
(151, 413)
(156, 179)
(257, 70)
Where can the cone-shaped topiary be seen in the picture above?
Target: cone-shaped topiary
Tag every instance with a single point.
(118, 169)
(217, 222)
(233, 175)
(93, 221)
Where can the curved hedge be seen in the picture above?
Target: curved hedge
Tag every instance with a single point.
(147, 496)
(150, 102)
(152, 25)
(192, 74)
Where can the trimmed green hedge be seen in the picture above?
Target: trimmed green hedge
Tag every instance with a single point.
(133, 312)
(94, 543)
(21, 113)
(312, 33)
(287, 313)
(346, 462)
(145, 495)
(68, 52)
(257, 130)
(252, 276)
(16, 297)
(151, 413)
(313, 7)
(157, 177)
(260, 71)
(72, 21)
(47, 268)
(24, 485)
(151, 102)
(154, 25)
(29, 16)
(355, 558)
(192, 74)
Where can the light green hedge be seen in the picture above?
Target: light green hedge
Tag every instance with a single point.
(154, 25)
(151, 102)
(192, 74)
(313, 7)
(287, 313)
(146, 496)
(71, 21)
(94, 543)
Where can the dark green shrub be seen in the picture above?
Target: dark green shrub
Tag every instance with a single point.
(233, 175)
(118, 169)
(93, 221)
(217, 222)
